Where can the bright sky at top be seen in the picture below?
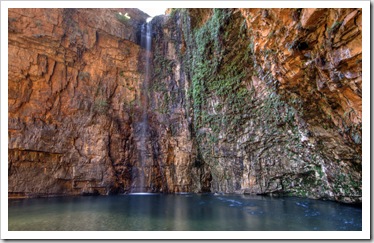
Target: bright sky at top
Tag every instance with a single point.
(153, 11)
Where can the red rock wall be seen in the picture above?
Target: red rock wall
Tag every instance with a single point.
(317, 55)
(74, 85)
(314, 56)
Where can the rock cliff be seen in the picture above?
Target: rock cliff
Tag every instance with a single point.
(264, 101)
(75, 79)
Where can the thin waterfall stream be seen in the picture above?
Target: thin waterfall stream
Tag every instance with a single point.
(140, 184)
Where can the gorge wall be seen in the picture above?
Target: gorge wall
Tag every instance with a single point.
(75, 79)
(264, 101)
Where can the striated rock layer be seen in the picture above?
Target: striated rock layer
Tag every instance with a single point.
(75, 79)
(264, 101)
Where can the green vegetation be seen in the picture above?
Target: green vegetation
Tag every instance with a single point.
(123, 18)
(38, 23)
(101, 106)
(271, 34)
(11, 20)
(173, 12)
(345, 184)
(219, 71)
(84, 75)
(334, 27)
(163, 67)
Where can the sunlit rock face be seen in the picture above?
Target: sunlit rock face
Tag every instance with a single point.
(315, 63)
(75, 79)
(264, 101)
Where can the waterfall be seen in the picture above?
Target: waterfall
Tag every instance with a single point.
(140, 184)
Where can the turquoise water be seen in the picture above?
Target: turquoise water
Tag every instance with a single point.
(193, 212)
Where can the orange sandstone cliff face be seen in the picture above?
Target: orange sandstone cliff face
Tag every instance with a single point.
(315, 54)
(314, 59)
(74, 81)
(264, 101)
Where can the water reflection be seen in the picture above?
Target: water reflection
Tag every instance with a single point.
(181, 212)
